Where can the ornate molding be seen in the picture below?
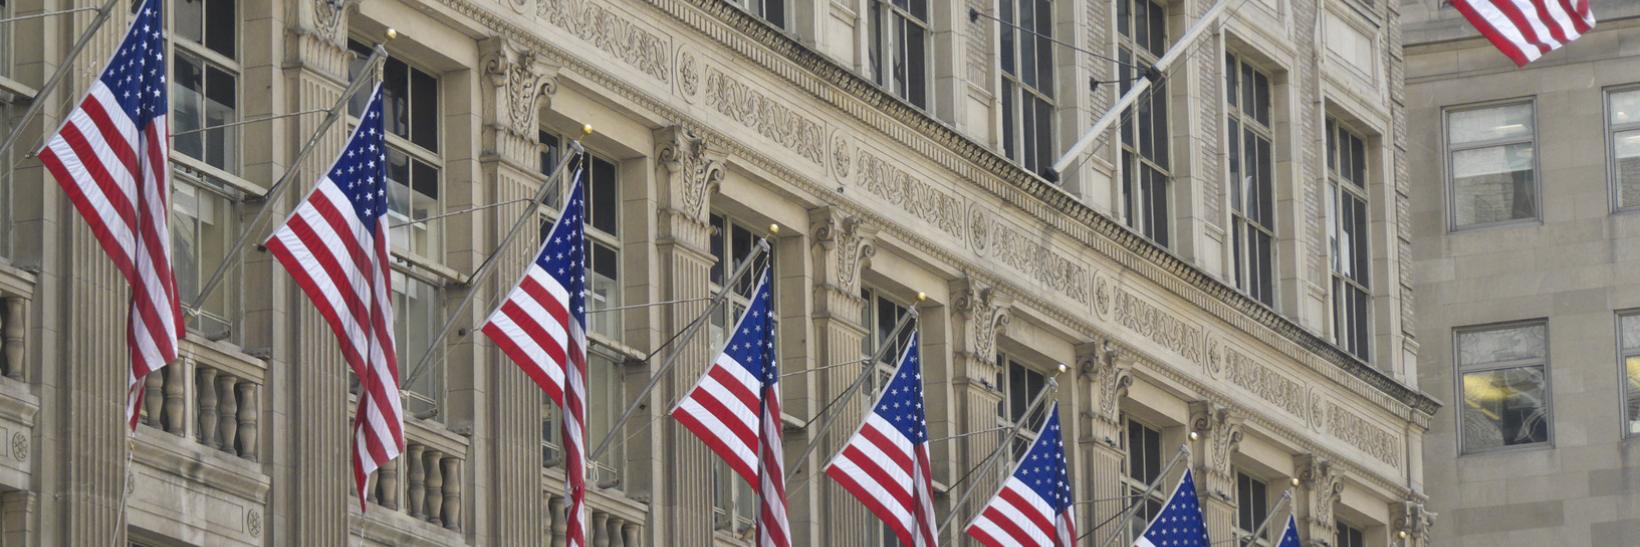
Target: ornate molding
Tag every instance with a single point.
(616, 34)
(1415, 520)
(1220, 428)
(327, 18)
(522, 80)
(851, 243)
(987, 312)
(1325, 482)
(1110, 373)
(695, 174)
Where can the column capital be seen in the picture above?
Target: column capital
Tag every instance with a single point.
(1220, 429)
(847, 244)
(1414, 520)
(520, 82)
(693, 172)
(1324, 482)
(986, 311)
(1109, 373)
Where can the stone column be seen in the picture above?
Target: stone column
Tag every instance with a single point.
(316, 437)
(1321, 483)
(1413, 523)
(1106, 375)
(507, 482)
(687, 177)
(982, 311)
(1220, 431)
(843, 244)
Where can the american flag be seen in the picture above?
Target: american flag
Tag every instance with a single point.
(1180, 522)
(886, 464)
(1526, 29)
(1289, 535)
(335, 245)
(542, 327)
(110, 156)
(1034, 506)
(735, 410)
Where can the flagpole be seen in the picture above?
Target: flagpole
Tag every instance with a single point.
(377, 55)
(848, 394)
(1184, 449)
(66, 65)
(992, 459)
(758, 250)
(484, 270)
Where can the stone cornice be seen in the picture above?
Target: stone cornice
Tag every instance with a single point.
(1051, 206)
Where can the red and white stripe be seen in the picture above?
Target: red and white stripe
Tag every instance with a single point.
(1526, 29)
(116, 175)
(773, 527)
(723, 410)
(574, 431)
(1018, 517)
(892, 476)
(533, 327)
(343, 267)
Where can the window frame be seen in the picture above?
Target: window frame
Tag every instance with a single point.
(413, 152)
(1548, 383)
(178, 46)
(1340, 187)
(1243, 535)
(1013, 91)
(883, 24)
(1241, 119)
(1448, 150)
(1135, 195)
(1132, 485)
(871, 343)
(189, 172)
(1612, 130)
(728, 517)
(1342, 529)
(1629, 420)
(1027, 433)
(760, 10)
(548, 213)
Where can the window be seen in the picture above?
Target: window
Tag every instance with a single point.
(410, 106)
(1144, 467)
(773, 11)
(1027, 82)
(1347, 239)
(5, 41)
(1252, 196)
(899, 48)
(204, 223)
(601, 194)
(879, 315)
(417, 316)
(1143, 28)
(205, 82)
(1491, 162)
(1623, 115)
(1629, 345)
(734, 501)
(1348, 536)
(1504, 378)
(1019, 384)
(1252, 508)
(606, 398)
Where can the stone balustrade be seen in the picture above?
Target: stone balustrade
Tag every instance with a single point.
(209, 394)
(16, 291)
(606, 527)
(424, 482)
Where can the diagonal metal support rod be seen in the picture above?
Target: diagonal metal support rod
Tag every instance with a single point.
(992, 459)
(650, 304)
(458, 212)
(970, 433)
(67, 64)
(688, 333)
(45, 14)
(377, 55)
(1184, 450)
(261, 119)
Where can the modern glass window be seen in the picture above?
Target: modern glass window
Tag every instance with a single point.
(1142, 25)
(1252, 507)
(204, 223)
(899, 48)
(1020, 383)
(1027, 82)
(773, 11)
(410, 104)
(878, 315)
(1143, 468)
(1252, 169)
(1348, 536)
(1347, 239)
(205, 82)
(1628, 326)
(1503, 373)
(1492, 164)
(1623, 117)
(417, 315)
(734, 502)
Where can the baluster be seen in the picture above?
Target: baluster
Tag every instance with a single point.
(632, 533)
(176, 404)
(370, 482)
(412, 463)
(14, 329)
(452, 493)
(205, 393)
(248, 411)
(614, 532)
(555, 510)
(153, 399)
(388, 491)
(227, 425)
(599, 532)
(435, 487)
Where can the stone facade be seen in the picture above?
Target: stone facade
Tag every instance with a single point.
(711, 125)
(1568, 266)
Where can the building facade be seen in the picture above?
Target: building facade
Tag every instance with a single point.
(1525, 248)
(1230, 261)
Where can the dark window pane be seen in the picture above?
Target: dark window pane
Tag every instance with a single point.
(1262, 96)
(1123, 17)
(1008, 122)
(719, 233)
(1141, 23)
(878, 36)
(424, 179)
(604, 200)
(1028, 123)
(604, 261)
(1027, 45)
(188, 105)
(220, 26)
(1358, 168)
(1230, 79)
(916, 73)
(222, 144)
(774, 11)
(1158, 29)
(1265, 208)
(1160, 94)
(1006, 14)
(395, 93)
(188, 20)
(424, 109)
(1044, 134)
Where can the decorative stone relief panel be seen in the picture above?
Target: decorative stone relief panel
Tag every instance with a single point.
(780, 123)
(995, 238)
(614, 33)
(1345, 425)
(688, 74)
(889, 183)
(1273, 387)
(1181, 337)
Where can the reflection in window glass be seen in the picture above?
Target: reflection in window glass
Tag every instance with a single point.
(899, 46)
(204, 82)
(1503, 375)
(1624, 117)
(1348, 240)
(1629, 327)
(416, 319)
(204, 221)
(1492, 165)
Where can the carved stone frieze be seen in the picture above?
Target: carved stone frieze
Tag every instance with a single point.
(1325, 483)
(1290, 395)
(693, 173)
(1180, 336)
(773, 119)
(1346, 425)
(899, 188)
(612, 32)
(522, 80)
(1220, 429)
(986, 312)
(995, 238)
(849, 243)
